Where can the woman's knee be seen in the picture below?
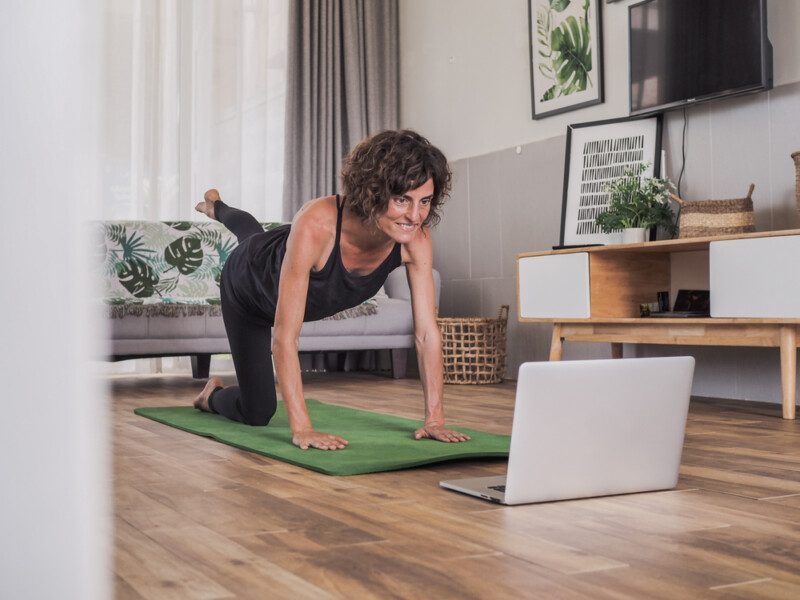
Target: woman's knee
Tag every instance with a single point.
(260, 415)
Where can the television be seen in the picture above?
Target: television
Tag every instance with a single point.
(687, 51)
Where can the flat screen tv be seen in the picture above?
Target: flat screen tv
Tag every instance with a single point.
(687, 51)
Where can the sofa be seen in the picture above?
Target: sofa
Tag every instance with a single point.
(160, 289)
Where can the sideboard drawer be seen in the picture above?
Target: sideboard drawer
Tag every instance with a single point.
(554, 286)
(756, 278)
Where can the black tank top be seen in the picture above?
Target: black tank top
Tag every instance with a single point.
(252, 273)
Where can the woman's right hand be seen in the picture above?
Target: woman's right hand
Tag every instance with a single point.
(316, 439)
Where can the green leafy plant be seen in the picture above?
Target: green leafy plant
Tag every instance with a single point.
(636, 201)
(566, 51)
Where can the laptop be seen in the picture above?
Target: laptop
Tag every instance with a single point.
(689, 303)
(592, 428)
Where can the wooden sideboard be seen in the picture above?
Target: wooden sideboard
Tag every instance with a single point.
(593, 294)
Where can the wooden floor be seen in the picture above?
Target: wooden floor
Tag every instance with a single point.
(198, 519)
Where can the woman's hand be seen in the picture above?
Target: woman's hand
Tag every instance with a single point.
(316, 439)
(440, 433)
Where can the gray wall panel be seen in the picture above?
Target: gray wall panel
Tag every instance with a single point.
(485, 205)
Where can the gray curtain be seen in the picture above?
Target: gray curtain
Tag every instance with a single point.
(342, 85)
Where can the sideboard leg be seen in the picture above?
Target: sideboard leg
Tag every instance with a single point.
(556, 343)
(616, 349)
(789, 369)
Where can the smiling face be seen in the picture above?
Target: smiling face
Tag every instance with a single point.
(405, 214)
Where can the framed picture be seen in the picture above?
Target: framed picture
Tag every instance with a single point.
(598, 153)
(566, 47)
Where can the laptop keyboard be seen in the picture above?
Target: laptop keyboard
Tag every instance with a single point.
(498, 488)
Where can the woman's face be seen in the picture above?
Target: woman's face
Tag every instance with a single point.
(405, 214)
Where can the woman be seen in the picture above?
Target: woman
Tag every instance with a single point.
(337, 253)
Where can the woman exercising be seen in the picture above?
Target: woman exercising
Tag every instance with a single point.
(336, 253)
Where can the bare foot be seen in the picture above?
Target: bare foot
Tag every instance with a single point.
(207, 205)
(201, 402)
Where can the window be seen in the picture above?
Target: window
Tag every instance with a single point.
(195, 96)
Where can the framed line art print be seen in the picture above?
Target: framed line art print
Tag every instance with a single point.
(566, 61)
(596, 154)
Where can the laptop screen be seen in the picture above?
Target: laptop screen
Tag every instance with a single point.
(693, 301)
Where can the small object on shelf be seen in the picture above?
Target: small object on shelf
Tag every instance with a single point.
(634, 235)
(796, 157)
(649, 309)
(707, 218)
(663, 301)
(474, 349)
(637, 203)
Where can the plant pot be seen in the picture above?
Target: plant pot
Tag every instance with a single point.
(634, 235)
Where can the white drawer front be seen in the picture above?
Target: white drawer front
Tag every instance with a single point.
(555, 286)
(758, 278)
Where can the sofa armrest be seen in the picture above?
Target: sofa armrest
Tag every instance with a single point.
(396, 285)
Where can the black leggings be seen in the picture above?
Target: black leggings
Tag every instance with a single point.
(254, 400)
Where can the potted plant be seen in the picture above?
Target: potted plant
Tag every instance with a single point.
(636, 204)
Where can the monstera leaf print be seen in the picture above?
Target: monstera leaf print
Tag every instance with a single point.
(179, 225)
(137, 277)
(565, 49)
(572, 50)
(185, 254)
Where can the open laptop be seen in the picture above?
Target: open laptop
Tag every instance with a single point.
(592, 428)
(689, 303)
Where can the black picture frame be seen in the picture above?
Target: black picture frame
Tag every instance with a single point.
(606, 149)
(544, 61)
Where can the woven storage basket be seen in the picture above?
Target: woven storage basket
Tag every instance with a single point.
(796, 157)
(474, 349)
(705, 218)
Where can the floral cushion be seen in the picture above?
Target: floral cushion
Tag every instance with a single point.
(169, 268)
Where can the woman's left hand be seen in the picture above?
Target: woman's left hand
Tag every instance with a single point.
(440, 433)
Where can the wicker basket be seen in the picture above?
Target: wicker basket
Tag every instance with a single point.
(796, 157)
(706, 218)
(474, 349)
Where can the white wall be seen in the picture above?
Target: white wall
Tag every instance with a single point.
(465, 79)
(54, 450)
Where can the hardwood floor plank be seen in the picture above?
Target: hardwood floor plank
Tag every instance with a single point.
(147, 567)
(232, 565)
(793, 501)
(769, 589)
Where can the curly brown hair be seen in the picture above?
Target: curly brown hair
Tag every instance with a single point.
(391, 163)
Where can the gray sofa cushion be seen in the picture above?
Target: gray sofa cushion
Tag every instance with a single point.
(394, 316)
(145, 328)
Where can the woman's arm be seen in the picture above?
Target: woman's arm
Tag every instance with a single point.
(418, 257)
(307, 241)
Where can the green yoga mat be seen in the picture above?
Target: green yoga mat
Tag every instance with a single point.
(377, 442)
